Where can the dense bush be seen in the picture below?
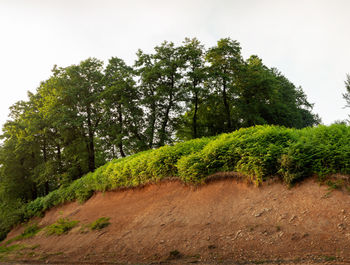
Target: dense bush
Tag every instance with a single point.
(257, 152)
(253, 151)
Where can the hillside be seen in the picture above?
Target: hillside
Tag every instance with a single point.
(224, 221)
(142, 194)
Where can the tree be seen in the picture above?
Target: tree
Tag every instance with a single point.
(68, 153)
(162, 91)
(148, 76)
(291, 108)
(225, 65)
(78, 97)
(19, 154)
(169, 63)
(257, 91)
(122, 118)
(194, 76)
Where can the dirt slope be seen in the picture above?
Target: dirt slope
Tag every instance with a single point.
(224, 221)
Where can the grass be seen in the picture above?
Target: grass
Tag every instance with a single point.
(257, 153)
(100, 223)
(329, 258)
(62, 226)
(5, 251)
(29, 231)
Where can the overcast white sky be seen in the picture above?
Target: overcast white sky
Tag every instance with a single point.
(307, 40)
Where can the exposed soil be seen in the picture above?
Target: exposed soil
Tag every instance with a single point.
(225, 221)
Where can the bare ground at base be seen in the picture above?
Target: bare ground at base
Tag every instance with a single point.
(222, 222)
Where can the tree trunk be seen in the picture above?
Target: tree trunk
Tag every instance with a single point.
(113, 152)
(120, 120)
(194, 119)
(59, 158)
(152, 122)
(91, 152)
(34, 192)
(162, 135)
(46, 183)
(90, 145)
(227, 106)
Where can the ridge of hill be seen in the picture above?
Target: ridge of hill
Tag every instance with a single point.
(226, 221)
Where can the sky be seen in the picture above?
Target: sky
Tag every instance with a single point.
(307, 40)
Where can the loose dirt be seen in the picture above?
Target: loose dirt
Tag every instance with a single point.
(225, 221)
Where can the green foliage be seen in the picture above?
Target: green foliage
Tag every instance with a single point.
(62, 226)
(29, 231)
(100, 223)
(163, 162)
(253, 151)
(8, 249)
(322, 151)
(11, 213)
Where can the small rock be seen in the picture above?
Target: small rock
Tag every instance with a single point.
(305, 235)
(258, 214)
(211, 247)
(237, 234)
(292, 218)
(342, 211)
(295, 236)
(162, 241)
(281, 218)
(341, 226)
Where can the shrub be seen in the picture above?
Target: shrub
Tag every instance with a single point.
(30, 231)
(62, 226)
(252, 151)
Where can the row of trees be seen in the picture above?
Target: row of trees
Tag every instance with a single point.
(87, 114)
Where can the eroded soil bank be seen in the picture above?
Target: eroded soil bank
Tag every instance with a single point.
(225, 221)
